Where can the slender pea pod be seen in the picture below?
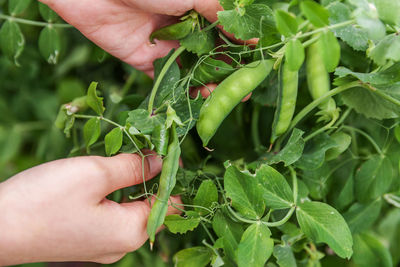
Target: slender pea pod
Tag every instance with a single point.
(228, 94)
(167, 183)
(318, 80)
(286, 102)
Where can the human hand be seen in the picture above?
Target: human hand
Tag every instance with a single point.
(122, 27)
(58, 211)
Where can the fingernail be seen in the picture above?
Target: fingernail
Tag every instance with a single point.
(155, 163)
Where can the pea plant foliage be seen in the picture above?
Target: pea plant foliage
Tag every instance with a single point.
(305, 173)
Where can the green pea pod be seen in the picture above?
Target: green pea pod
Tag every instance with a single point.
(318, 78)
(211, 71)
(173, 32)
(228, 94)
(159, 137)
(167, 183)
(286, 102)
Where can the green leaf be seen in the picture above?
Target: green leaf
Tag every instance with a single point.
(322, 223)
(284, 256)
(346, 195)
(91, 131)
(342, 141)
(360, 99)
(11, 141)
(16, 7)
(94, 101)
(355, 37)
(397, 133)
(330, 50)
(12, 41)
(113, 141)
(246, 26)
(69, 123)
(230, 231)
(50, 44)
(172, 118)
(373, 26)
(159, 138)
(211, 71)
(207, 194)
(389, 231)
(187, 114)
(142, 120)
(360, 217)
(199, 41)
(386, 50)
(388, 11)
(315, 13)
(373, 178)
(256, 246)
(277, 193)
(369, 251)
(294, 54)
(318, 181)
(193, 257)
(175, 31)
(292, 150)
(388, 76)
(47, 13)
(241, 188)
(168, 89)
(285, 23)
(314, 152)
(178, 224)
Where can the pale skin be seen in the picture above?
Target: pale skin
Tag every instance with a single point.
(57, 211)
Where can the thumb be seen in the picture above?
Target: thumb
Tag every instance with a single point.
(125, 170)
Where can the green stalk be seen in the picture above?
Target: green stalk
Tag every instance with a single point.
(35, 23)
(161, 76)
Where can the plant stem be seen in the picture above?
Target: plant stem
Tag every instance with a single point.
(294, 182)
(283, 220)
(320, 130)
(383, 95)
(330, 27)
(341, 120)
(212, 25)
(35, 23)
(128, 83)
(161, 76)
(367, 136)
(269, 224)
(254, 127)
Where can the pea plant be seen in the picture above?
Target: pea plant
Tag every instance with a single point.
(305, 173)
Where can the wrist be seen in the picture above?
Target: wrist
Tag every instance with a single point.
(12, 241)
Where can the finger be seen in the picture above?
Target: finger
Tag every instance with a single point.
(113, 173)
(130, 222)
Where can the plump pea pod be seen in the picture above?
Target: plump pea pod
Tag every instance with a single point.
(173, 32)
(228, 94)
(167, 183)
(318, 78)
(286, 102)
